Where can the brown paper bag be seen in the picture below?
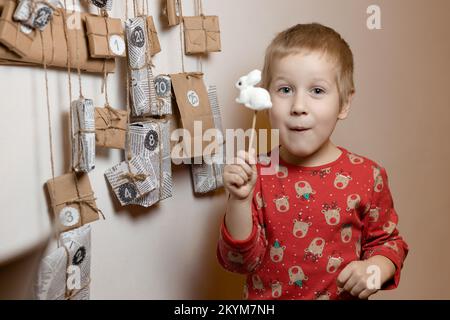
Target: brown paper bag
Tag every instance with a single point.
(11, 34)
(72, 201)
(155, 46)
(171, 12)
(106, 37)
(193, 105)
(110, 127)
(55, 46)
(201, 34)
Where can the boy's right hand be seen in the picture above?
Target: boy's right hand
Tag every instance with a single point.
(240, 177)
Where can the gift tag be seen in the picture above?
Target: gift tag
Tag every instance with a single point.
(162, 86)
(43, 16)
(193, 98)
(69, 216)
(138, 37)
(151, 140)
(116, 45)
(127, 192)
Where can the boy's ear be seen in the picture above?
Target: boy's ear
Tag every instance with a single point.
(346, 107)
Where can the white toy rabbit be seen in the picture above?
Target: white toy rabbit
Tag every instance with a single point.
(253, 97)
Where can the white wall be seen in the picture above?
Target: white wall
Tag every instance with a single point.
(400, 118)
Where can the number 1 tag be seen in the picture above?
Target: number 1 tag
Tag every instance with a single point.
(116, 45)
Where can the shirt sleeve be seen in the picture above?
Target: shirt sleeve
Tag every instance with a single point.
(380, 235)
(244, 256)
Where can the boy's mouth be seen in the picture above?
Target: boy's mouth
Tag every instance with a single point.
(299, 129)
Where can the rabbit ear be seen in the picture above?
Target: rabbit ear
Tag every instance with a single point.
(254, 77)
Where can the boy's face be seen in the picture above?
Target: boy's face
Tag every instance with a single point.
(305, 101)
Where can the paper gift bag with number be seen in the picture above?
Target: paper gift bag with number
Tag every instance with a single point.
(83, 135)
(132, 180)
(142, 89)
(72, 201)
(64, 274)
(195, 111)
(151, 140)
(110, 127)
(201, 34)
(106, 37)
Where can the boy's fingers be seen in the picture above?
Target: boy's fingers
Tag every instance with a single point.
(344, 276)
(244, 166)
(239, 171)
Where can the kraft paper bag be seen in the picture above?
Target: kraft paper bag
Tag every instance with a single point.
(106, 37)
(172, 13)
(55, 44)
(110, 127)
(201, 34)
(153, 39)
(72, 201)
(13, 35)
(193, 105)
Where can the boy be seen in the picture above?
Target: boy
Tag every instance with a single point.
(323, 226)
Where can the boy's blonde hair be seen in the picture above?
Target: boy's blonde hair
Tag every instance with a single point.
(313, 37)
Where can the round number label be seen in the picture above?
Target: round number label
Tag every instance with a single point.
(99, 3)
(151, 140)
(193, 98)
(127, 192)
(162, 86)
(79, 256)
(43, 16)
(116, 45)
(69, 216)
(138, 37)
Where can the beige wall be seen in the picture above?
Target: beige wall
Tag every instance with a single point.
(400, 119)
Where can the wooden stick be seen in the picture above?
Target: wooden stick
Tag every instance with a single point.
(252, 133)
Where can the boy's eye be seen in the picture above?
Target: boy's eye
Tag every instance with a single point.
(285, 90)
(318, 91)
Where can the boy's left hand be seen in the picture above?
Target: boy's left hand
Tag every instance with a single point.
(354, 277)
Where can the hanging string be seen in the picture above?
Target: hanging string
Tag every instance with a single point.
(50, 138)
(199, 12)
(69, 77)
(180, 10)
(127, 90)
(77, 53)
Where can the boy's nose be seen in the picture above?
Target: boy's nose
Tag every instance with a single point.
(298, 106)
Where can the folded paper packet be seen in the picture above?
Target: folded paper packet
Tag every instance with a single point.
(150, 139)
(110, 127)
(195, 113)
(83, 135)
(172, 13)
(132, 180)
(103, 4)
(13, 35)
(57, 278)
(201, 34)
(154, 44)
(142, 89)
(18, 48)
(207, 177)
(163, 85)
(106, 37)
(35, 14)
(72, 201)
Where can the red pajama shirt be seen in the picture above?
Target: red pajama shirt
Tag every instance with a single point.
(309, 223)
